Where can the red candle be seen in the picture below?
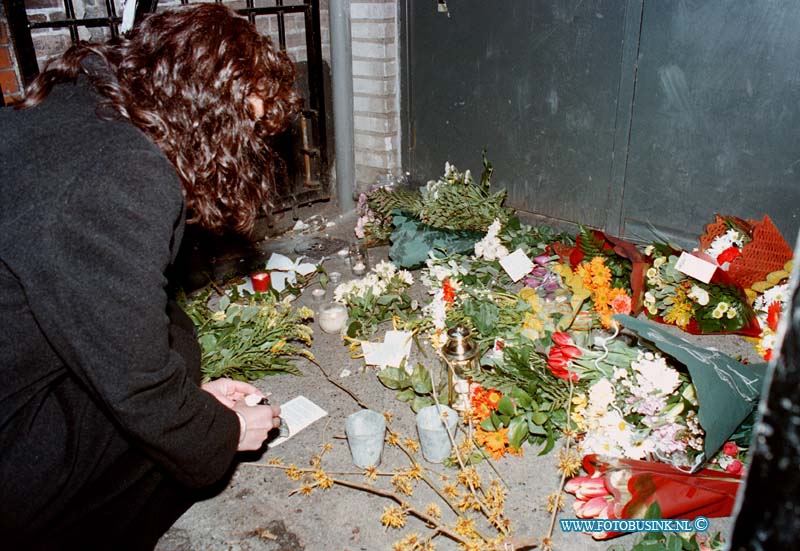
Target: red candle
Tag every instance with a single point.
(260, 282)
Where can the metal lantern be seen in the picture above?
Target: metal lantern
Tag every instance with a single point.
(460, 353)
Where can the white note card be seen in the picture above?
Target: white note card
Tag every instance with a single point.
(298, 413)
(693, 266)
(517, 264)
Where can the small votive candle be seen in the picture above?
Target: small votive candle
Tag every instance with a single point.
(359, 259)
(260, 282)
(318, 295)
(332, 316)
(335, 277)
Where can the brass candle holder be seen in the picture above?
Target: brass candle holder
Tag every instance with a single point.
(460, 353)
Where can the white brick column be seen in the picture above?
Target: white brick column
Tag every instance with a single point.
(376, 105)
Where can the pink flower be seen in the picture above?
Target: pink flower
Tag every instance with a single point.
(621, 304)
(591, 508)
(735, 467)
(730, 448)
(586, 487)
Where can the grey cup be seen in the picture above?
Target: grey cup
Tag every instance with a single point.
(433, 437)
(366, 430)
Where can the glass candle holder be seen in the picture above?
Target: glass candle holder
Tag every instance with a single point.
(260, 281)
(359, 259)
(332, 317)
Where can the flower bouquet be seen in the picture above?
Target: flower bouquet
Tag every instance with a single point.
(674, 298)
(377, 297)
(249, 340)
(450, 214)
(770, 299)
(747, 250)
(627, 488)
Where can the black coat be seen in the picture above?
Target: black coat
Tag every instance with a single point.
(91, 216)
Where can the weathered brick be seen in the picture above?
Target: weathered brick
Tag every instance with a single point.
(373, 10)
(6, 62)
(3, 33)
(9, 82)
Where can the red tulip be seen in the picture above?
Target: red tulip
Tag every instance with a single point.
(591, 508)
(562, 339)
(586, 487)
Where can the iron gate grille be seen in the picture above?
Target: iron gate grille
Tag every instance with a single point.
(304, 146)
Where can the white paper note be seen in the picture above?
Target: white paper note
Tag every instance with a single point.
(395, 347)
(696, 267)
(517, 264)
(298, 413)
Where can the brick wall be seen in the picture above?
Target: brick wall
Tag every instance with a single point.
(375, 89)
(10, 81)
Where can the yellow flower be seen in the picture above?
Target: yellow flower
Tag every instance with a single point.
(393, 517)
(569, 463)
(275, 461)
(323, 480)
(532, 323)
(371, 472)
(465, 526)
(555, 501)
(294, 473)
(680, 313)
(530, 296)
(392, 438)
(277, 346)
(415, 472)
(402, 484)
(307, 489)
(451, 491)
(469, 477)
(218, 316)
(411, 445)
(433, 510)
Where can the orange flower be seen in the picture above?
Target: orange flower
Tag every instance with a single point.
(495, 442)
(484, 402)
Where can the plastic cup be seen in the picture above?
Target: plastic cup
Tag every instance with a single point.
(433, 437)
(366, 430)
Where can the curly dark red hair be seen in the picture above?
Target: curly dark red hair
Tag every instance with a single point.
(185, 77)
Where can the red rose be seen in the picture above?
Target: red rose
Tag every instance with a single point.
(735, 467)
(730, 448)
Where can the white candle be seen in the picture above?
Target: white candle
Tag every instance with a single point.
(332, 317)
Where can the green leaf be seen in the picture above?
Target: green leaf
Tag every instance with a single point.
(674, 543)
(208, 342)
(522, 398)
(385, 300)
(224, 302)
(249, 312)
(421, 402)
(406, 395)
(653, 511)
(517, 431)
(396, 379)
(506, 406)
(488, 424)
(539, 418)
(421, 380)
(354, 329)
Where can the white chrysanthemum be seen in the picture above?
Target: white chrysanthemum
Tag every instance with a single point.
(778, 293)
(654, 376)
(437, 310)
(649, 298)
(658, 262)
(769, 341)
(405, 276)
(730, 238)
(699, 294)
(601, 394)
(385, 269)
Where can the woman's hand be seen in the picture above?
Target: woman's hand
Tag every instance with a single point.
(229, 392)
(258, 421)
